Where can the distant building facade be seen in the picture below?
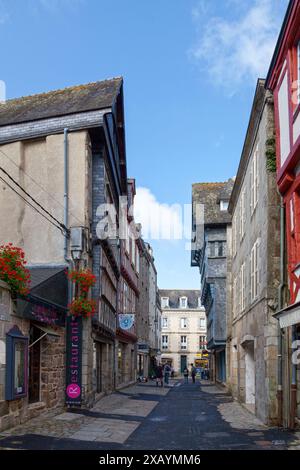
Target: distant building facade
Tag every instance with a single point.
(183, 328)
(251, 327)
(148, 319)
(209, 254)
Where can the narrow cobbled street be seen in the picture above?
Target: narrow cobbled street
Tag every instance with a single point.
(180, 416)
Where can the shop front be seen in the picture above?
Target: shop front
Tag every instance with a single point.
(32, 346)
(142, 361)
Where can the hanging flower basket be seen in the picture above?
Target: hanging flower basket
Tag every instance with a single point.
(84, 279)
(13, 270)
(83, 307)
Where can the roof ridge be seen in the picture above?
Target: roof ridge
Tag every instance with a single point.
(58, 90)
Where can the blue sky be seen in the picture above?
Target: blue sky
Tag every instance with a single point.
(190, 69)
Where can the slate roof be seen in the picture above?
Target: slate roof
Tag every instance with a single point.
(175, 294)
(40, 274)
(210, 195)
(75, 99)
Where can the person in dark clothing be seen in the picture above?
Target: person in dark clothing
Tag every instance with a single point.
(167, 372)
(193, 373)
(159, 375)
(186, 375)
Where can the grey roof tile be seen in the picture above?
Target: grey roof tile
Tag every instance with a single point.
(175, 294)
(80, 98)
(210, 194)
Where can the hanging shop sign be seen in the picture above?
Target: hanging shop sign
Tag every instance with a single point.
(126, 320)
(74, 360)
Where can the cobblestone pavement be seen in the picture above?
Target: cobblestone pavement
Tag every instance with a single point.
(189, 417)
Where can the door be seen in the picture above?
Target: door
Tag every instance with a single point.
(250, 374)
(99, 367)
(183, 363)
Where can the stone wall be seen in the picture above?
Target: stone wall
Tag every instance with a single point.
(254, 325)
(52, 371)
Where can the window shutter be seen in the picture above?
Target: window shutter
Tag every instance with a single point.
(251, 187)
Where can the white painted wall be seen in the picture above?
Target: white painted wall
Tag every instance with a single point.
(296, 128)
(283, 109)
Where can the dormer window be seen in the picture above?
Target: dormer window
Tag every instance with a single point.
(224, 205)
(164, 302)
(183, 302)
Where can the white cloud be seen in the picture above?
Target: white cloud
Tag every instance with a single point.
(159, 221)
(238, 48)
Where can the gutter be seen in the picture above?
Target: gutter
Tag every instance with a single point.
(280, 306)
(66, 192)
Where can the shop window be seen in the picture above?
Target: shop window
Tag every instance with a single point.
(16, 364)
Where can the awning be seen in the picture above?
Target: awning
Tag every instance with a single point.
(45, 331)
(289, 315)
(48, 298)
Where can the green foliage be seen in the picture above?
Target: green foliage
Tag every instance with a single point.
(271, 154)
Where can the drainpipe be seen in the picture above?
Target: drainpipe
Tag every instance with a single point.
(66, 192)
(293, 384)
(280, 306)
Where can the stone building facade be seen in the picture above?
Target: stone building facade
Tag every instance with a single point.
(252, 329)
(183, 329)
(126, 339)
(148, 320)
(210, 244)
(66, 149)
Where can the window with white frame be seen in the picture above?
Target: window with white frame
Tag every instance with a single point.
(164, 322)
(298, 72)
(133, 248)
(183, 323)
(242, 213)
(164, 302)
(183, 302)
(254, 180)
(234, 298)
(137, 260)
(202, 342)
(199, 302)
(254, 270)
(242, 287)
(292, 214)
(224, 205)
(234, 233)
(127, 239)
(202, 323)
(217, 249)
(183, 342)
(165, 342)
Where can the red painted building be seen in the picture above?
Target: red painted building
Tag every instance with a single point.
(284, 81)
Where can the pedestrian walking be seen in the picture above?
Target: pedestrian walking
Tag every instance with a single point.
(159, 375)
(186, 375)
(167, 372)
(193, 373)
